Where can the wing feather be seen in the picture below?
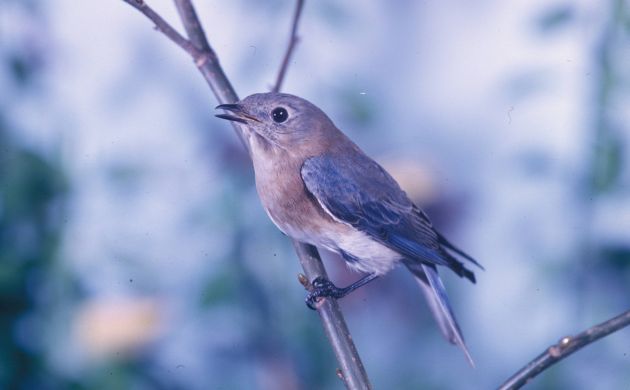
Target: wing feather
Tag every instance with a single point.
(361, 193)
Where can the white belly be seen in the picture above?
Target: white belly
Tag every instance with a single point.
(373, 257)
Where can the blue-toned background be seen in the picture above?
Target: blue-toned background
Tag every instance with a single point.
(134, 252)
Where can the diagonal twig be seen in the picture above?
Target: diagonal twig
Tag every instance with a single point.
(198, 48)
(352, 371)
(193, 26)
(293, 40)
(165, 28)
(211, 69)
(565, 347)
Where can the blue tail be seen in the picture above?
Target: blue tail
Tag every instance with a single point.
(435, 294)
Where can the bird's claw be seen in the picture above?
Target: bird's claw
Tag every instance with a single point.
(322, 287)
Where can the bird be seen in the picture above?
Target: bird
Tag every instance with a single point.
(318, 187)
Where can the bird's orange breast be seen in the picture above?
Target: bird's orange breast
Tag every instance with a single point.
(286, 200)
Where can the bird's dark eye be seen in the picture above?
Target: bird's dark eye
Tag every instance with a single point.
(279, 114)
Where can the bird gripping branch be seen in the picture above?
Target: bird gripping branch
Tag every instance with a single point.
(318, 187)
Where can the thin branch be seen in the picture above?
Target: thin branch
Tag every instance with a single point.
(198, 48)
(564, 348)
(193, 26)
(210, 68)
(352, 373)
(162, 26)
(352, 370)
(293, 40)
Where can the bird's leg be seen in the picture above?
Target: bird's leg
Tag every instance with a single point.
(325, 288)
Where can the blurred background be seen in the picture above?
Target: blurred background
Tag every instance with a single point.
(134, 252)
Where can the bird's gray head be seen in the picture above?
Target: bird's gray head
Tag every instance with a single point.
(282, 119)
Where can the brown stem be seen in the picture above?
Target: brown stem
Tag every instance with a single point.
(206, 60)
(565, 347)
(353, 374)
(210, 68)
(162, 26)
(293, 40)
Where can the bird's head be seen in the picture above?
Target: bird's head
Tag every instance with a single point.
(283, 120)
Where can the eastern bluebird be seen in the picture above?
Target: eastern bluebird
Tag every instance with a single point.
(318, 187)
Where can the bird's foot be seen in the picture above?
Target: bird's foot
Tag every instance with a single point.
(323, 287)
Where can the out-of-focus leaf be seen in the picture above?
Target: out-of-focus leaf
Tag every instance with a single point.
(20, 69)
(608, 163)
(555, 18)
(358, 105)
(124, 178)
(617, 257)
(27, 182)
(219, 289)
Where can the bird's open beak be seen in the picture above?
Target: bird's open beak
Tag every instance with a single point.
(239, 114)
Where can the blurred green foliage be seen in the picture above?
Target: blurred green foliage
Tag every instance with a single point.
(607, 163)
(32, 195)
(609, 151)
(31, 209)
(555, 18)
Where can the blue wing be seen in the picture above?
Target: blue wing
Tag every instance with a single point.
(356, 190)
